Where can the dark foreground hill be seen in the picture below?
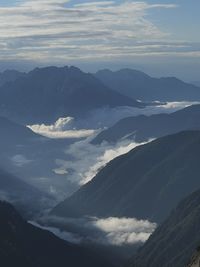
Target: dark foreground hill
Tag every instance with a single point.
(24, 245)
(174, 242)
(142, 128)
(145, 183)
(139, 85)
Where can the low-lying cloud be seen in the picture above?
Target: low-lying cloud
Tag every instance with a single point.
(20, 160)
(87, 159)
(107, 231)
(61, 129)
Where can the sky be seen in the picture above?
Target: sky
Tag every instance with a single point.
(160, 37)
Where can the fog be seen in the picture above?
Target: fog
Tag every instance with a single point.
(107, 231)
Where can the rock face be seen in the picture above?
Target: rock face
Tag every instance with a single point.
(46, 94)
(195, 260)
(139, 85)
(24, 245)
(146, 183)
(174, 241)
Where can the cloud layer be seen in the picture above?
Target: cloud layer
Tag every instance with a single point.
(85, 160)
(59, 30)
(61, 129)
(108, 231)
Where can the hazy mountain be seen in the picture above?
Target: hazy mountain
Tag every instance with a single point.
(15, 134)
(46, 94)
(10, 76)
(33, 157)
(139, 85)
(25, 197)
(142, 128)
(145, 183)
(174, 242)
(197, 83)
(24, 245)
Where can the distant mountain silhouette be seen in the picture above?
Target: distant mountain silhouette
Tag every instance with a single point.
(145, 183)
(175, 241)
(10, 76)
(139, 85)
(142, 128)
(24, 245)
(46, 94)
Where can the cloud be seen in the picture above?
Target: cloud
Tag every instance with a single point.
(107, 231)
(83, 160)
(120, 231)
(20, 160)
(60, 129)
(86, 159)
(59, 30)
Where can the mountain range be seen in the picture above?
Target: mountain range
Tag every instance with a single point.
(139, 85)
(142, 128)
(46, 94)
(145, 183)
(10, 76)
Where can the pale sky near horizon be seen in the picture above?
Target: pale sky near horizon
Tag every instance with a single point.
(160, 37)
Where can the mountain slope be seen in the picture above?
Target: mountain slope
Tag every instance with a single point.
(142, 128)
(15, 134)
(10, 76)
(145, 183)
(46, 94)
(25, 197)
(174, 242)
(139, 85)
(24, 245)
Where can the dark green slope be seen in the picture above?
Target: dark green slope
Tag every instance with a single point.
(174, 242)
(24, 245)
(145, 183)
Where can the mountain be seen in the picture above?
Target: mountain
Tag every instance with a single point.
(15, 134)
(174, 241)
(10, 76)
(24, 245)
(142, 128)
(25, 197)
(145, 183)
(33, 158)
(46, 94)
(139, 85)
(196, 83)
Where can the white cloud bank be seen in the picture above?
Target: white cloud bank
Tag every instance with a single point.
(121, 231)
(60, 129)
(86, 159)
(107, 231)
